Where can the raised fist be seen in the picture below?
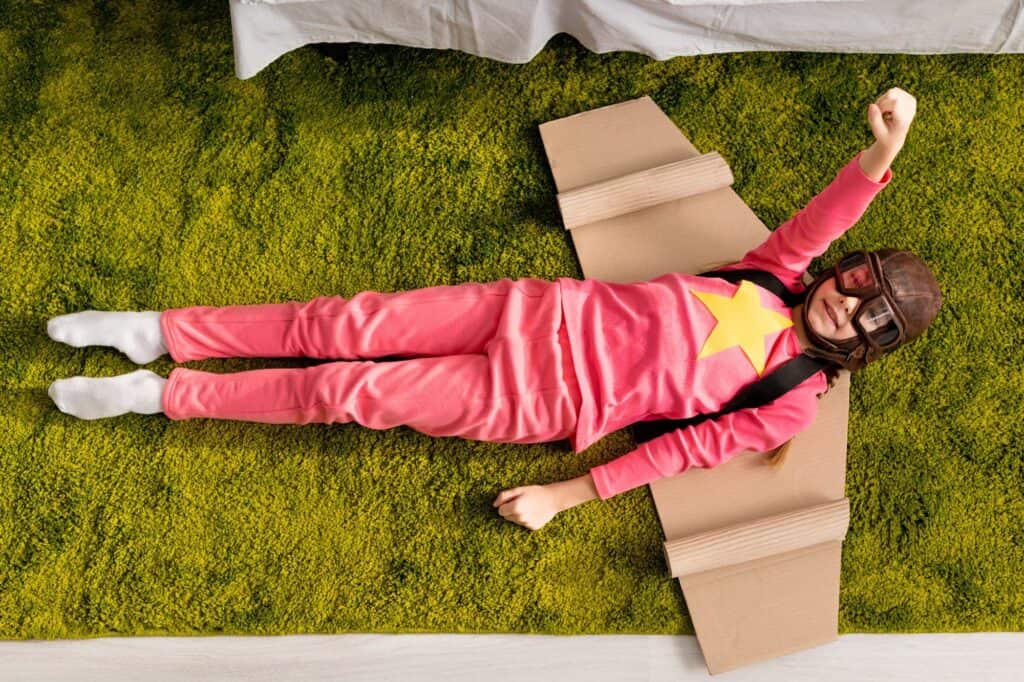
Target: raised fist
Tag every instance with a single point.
(890, 115)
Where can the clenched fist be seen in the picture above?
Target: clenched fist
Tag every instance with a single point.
(890, 115)
(531, 506)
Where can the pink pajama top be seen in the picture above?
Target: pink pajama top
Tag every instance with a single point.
(643, 351)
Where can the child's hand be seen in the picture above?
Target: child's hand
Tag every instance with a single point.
(890, 115)
(531, 506)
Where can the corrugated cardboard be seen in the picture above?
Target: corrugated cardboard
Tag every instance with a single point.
(756, 548)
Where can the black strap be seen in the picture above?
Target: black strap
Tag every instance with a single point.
(763, 279)
(761, 392)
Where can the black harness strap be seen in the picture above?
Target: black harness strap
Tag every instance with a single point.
(761, 278)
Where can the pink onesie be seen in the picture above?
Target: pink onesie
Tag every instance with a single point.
(523, 361)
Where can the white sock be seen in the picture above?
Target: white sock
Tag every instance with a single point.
(97, 397)
(136, 334)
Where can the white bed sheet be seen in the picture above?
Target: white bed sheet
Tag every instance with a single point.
(515, 31)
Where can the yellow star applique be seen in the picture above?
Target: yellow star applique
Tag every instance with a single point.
(741, 321)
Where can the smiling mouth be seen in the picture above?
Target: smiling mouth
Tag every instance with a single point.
(831, 314)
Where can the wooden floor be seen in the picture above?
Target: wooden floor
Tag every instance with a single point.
(495, 658)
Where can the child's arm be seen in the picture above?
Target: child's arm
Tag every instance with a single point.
(889, 119)
(706, 445)
(876, 159)
(789, 250)
(534, 505)
(711, 442)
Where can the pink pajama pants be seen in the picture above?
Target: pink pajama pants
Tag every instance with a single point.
(487, 361)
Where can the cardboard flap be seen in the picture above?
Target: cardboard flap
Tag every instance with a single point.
(757, 539)
(688, 234)
(766, 608)
(610, 142)
(643, 189)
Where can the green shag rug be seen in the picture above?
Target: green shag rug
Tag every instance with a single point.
(138, 173)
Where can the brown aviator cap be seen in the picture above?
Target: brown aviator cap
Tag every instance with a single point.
(910, 289)
(914, 288)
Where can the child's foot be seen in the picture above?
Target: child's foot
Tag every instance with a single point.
(94, 398)
(136, 334)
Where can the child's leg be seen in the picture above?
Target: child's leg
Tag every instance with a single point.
(518, 392)
(432, 321)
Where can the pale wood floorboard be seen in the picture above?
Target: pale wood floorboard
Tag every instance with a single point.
(497, 658)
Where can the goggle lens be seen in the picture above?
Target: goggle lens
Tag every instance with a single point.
(856, 277)
(877, 319)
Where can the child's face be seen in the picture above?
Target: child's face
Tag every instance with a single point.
(829, 311)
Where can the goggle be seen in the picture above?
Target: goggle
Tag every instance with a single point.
(876, 320)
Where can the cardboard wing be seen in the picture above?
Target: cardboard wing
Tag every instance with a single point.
(756, 548)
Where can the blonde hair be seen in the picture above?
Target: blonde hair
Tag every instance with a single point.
(777, 457)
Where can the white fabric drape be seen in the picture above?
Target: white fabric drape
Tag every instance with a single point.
(516, 30)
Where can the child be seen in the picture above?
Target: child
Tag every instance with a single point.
(529, 360)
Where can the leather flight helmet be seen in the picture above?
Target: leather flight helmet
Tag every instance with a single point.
(899, 297)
